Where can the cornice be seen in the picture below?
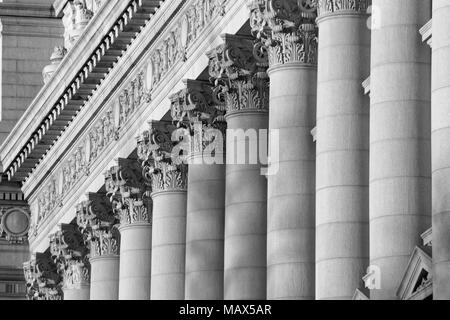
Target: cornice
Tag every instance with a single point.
(83, 69)
(236, 16)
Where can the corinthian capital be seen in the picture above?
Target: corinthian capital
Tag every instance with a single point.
(42, 279)
(97, 223)
(238, 72)
(196, 109)
(69, 253)
(326, 7)
(286, 28)
(163, 162)
(129, 192)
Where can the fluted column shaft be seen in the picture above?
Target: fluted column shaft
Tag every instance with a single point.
(168, 245)
(441, 151)
(105, 277)
(205, 232)
(400, 168)
(342, 185)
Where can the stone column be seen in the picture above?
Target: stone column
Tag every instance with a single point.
(169, 212)
(193, 108)
(42, 278)
(291, 211)
(130, 198)
(97, 224)
(241, 82)
(342, 186)
(70, 254)
(400, 150)
(441, 151)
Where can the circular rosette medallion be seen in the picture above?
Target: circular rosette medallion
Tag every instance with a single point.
(15, 223)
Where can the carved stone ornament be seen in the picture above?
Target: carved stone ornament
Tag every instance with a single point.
(195, 109)
(42, 279)
(129, 192)
(55, 59)
(238, 74)
(161, 162)
(70, 254)
(286, 28)
(98, 225)
(336, 6)
(14, 224)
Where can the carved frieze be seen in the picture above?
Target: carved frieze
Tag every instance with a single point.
(162, 162)
(239, 75)
(286, 29)
(129, 192)
(42, 279)
(174, 48)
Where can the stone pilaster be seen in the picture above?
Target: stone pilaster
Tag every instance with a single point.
(129, 193)
(42, 278)
(440, 149)
(241, 83)
(168, 176)
(400, 148)
(195, 110)
(342, 149)
(70, 254)
(97, 223)
(288, 32)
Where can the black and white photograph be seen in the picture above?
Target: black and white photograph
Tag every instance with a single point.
(224, 158)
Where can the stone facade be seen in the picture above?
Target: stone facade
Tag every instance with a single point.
(224, 149)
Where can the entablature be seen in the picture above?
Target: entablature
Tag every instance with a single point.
(104, 40)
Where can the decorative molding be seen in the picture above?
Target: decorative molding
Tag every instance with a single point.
(239, 75)
(67, 105)
(14, 224)
(155, 147)
(129, 193)
(286, 29)
(70, 253)
(97, 224)
(325, 7)
(42, 279)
